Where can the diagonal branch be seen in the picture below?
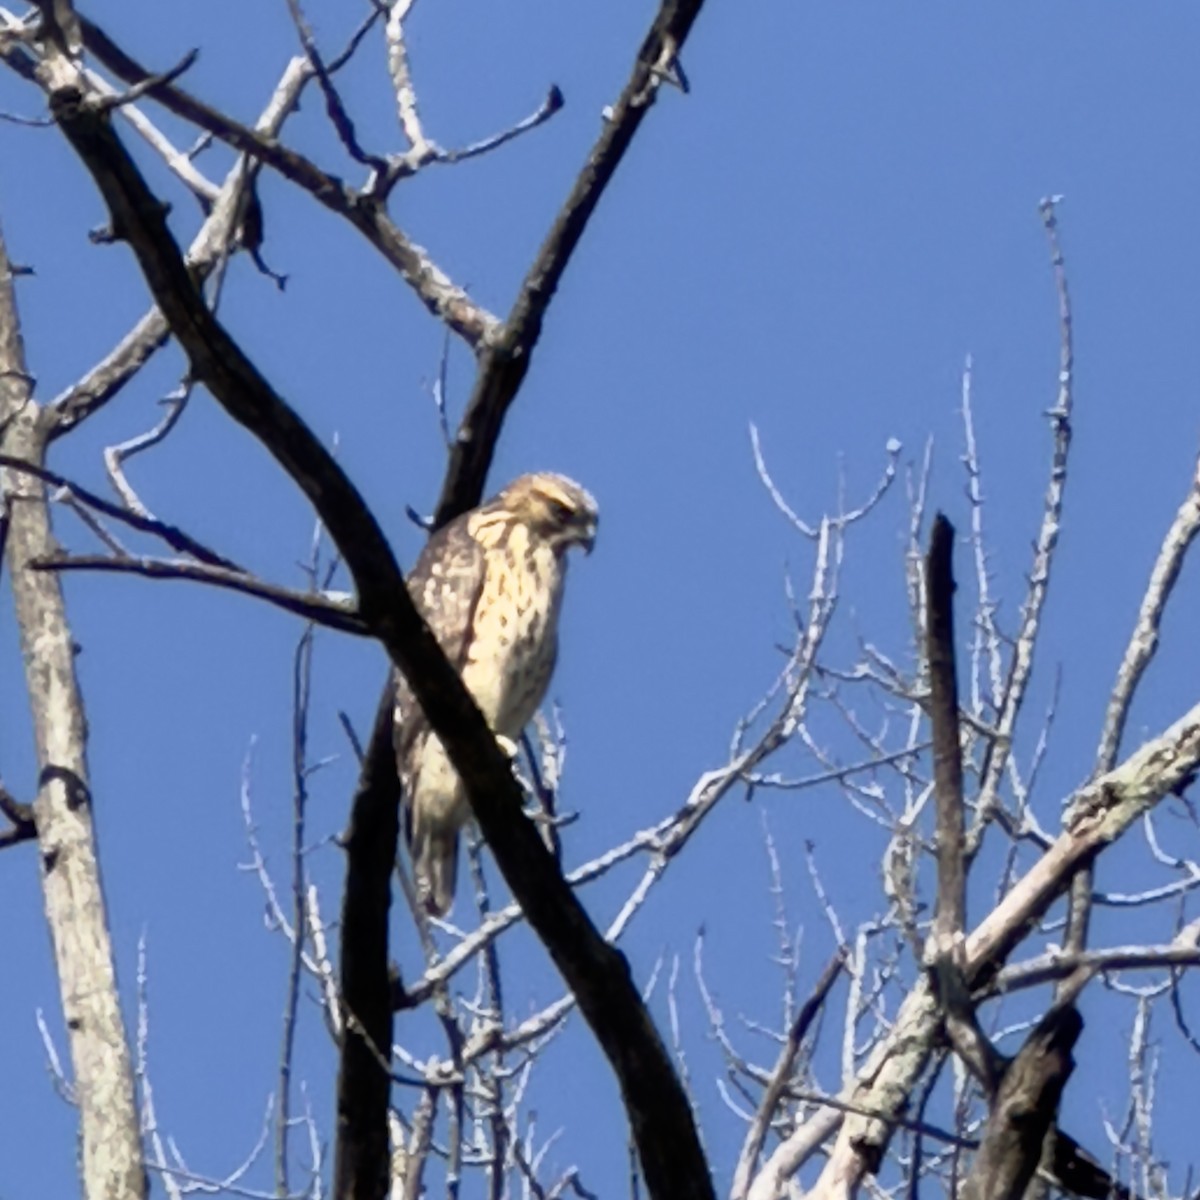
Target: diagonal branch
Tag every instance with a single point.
(599, 976)
(213, 242)
(1144, 641)
(505, 357)
(171, 534)
(780, 1075)
(1098, 814)
(466, 475)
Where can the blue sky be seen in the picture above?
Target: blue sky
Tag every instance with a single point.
(813, 240)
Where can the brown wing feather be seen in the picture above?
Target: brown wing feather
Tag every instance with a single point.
(445, 584)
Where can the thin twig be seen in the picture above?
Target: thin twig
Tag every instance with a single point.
(114, 456)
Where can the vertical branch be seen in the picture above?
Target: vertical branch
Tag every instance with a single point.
(996, 759)
(987, 636)
(110, 1152)
(961, 1025)
(943, 716)
(362, 1156)
(492, 1008)
(401, 75)
(301, 680)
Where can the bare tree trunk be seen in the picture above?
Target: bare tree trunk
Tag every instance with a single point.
(111, 1160)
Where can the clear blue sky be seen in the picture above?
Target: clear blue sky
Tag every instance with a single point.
(814, 239)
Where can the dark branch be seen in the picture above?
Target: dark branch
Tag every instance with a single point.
(334, 106)
(969, 1041)
(20, 818)
(498, 381)
(310, 605)
(364, 1084)
(1024, 1110)
(597, 974)
(781, 1073)
(171, 534)
(943, 716)
(136, 92)
(505, 357)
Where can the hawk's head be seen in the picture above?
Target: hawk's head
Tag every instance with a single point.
(554, 507)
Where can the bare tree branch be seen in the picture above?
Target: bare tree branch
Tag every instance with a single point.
(436, 291)
(598, 975)
(996, 760)
(1098, 813)
(312, 606)
(210, 245)
(756, 1136)
(175, 537)
(506, 354)
(1182, 951)
(1143, 643)
(940, 655)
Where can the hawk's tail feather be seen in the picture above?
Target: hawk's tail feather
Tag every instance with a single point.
(435, 867)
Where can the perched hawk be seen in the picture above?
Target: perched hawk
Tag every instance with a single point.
(489, 584)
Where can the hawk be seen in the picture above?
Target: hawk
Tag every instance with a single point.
(490, 585)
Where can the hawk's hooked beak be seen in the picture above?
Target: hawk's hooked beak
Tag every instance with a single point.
(583, 531)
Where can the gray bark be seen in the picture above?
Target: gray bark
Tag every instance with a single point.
(110, 1157)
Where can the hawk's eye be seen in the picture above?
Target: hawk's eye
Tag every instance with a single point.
(561, 512)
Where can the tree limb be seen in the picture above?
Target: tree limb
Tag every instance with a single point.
(947, 750)
(505, 356)
(448, 302)
(1098, 813)
(598, 975)
(311, 605)
(175, 537)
